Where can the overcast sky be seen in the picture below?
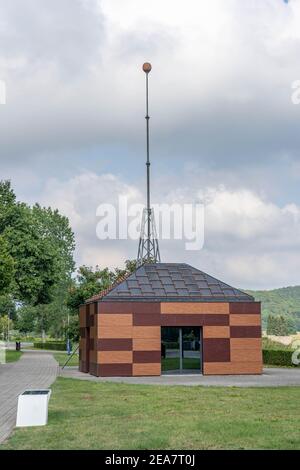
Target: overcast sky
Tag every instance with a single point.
(223, 125)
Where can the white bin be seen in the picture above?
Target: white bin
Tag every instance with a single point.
(33, 408)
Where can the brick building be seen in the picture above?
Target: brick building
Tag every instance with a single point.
(167, 318)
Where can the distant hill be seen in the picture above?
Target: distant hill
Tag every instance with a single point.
(283, 301)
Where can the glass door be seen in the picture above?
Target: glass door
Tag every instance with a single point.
(181, 350)
(191, 349)
(170, 349)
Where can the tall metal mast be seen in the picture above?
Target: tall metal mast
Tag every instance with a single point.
(148, 251)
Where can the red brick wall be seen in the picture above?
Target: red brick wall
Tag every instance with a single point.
(125, 337)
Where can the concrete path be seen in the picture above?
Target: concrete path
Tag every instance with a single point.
(33, 370)
(272, 377)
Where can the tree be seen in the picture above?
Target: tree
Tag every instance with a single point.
(7, 267)
(7, 204)
(27, 319)
(130, 267)
(91, 281)
(8, 306)
(277, 325)
(73, 328)
(291, 324)
(5, 325)
(55, 227)
(270, 324)
(88, 282)
(41, 244)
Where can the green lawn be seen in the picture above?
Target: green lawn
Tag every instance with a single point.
(62, 357)
(12, 356)
(88, 415)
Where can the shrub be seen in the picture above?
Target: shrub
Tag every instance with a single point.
(277, 357)
(281, 325)
(271, 344)
(51, 345)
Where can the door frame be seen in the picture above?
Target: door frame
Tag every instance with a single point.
(180, 337)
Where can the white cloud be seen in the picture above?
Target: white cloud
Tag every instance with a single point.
(78, 199)
(248, 241)
(219, 69)
(222, 115)
(245, 215)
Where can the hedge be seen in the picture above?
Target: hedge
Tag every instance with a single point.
(51, 345)
(277, 357)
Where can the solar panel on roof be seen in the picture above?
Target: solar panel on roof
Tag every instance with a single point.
(183, 292)
(153, 277)
(206, 292)
(132, 284)
(179, 284)
(156, 285)
(175, 281)
(146, 289)
(176, 277)
(159, 292)
(136, 291)
(170, 289)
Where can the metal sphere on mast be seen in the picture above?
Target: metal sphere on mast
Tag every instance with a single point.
(148, 251)
(147, 67)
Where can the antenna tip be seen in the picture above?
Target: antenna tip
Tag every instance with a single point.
(147, 67)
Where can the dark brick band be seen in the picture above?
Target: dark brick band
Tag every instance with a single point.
(140, 357)
(114, 345)
(216, 350)
(93, 368)
(114, 307)
(146, 307)
(194, 320)
(245, 332)
(83, 367)
(114, 370)
(245, 308)
(146, 319)
(82, 332)
(91, 320)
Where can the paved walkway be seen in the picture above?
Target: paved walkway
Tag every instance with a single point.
(272, 377)
(33, 370)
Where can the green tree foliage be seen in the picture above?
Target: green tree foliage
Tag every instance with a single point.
(87, 283)
(27, 319)
(51, 318)
(8, 306)
(91, 281)
(7, 267)
(41, 244)
(284, 301)
(130, 267)
(4, 322)
(72, 330)
(7, 205)
(278, 325)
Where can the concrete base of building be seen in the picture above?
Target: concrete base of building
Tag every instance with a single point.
(271, 377)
